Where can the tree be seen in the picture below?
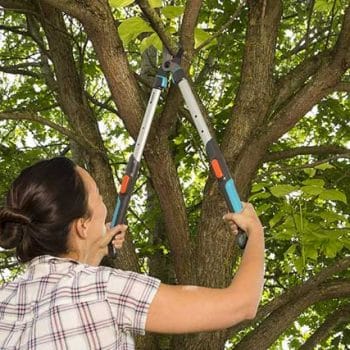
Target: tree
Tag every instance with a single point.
(277, 98)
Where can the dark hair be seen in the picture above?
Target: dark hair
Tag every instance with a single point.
(40, 207)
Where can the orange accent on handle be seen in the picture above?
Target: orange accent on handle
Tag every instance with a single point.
(217, 169)
(125, 183)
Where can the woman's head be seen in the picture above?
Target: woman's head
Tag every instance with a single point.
(40, 207)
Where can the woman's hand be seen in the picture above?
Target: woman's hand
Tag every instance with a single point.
(247, 219)
(118, 232)
(116, 235)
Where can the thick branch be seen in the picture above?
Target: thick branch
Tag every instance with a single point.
(263, 336)
(327, 77)
(72, 8)
(296, 292)
(14, 29)
(19, 71)
(17, 5)
(74, 103)
(323, 81)
(256, 89)
(188, 25)
(290, 83)
(337, 318)
(343, 86)
(35, 118)
(306, 150)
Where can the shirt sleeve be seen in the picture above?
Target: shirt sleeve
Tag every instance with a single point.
(130, 294)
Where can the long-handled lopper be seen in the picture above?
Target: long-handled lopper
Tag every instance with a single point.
(217, 161)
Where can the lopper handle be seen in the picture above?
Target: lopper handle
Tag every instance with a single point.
(118, 218)
(123, 198)
(226, 185)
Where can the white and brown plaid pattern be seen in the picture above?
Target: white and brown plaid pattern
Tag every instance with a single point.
(62, 304)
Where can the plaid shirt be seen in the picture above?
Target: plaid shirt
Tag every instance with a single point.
(63, 304)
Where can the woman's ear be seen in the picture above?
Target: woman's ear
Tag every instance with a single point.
(80, 227)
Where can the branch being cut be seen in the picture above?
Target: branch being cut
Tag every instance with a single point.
(306, 150)
(157, 24)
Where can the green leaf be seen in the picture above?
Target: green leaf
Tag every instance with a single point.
(323, 5)
(284, 233)
(314, 182)
(200, 36)
(299, 264)
(282, 190)
(155, 3)
(311, 251)
(151, 40)
(312, 190)
(290, 251)
(263, 208)
(131, 28)
(259, 195)
(332, 248)
(324, 166)
(330, 216)
(120, 3)
(311, 172)
(171, 12)
(276, 219)
(258, 187)
(333, 195)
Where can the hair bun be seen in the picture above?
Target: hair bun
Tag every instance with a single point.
(11, 226)
(14, 215)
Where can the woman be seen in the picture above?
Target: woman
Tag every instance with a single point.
(55, 218)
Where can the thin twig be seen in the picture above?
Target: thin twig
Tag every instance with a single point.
(307, 166)
(223, 28)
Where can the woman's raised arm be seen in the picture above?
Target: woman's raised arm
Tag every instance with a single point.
(184, 309)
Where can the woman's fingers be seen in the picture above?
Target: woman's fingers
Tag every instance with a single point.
(115, 234)
(119, 240)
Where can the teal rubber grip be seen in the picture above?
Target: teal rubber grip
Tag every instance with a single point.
(233, 196)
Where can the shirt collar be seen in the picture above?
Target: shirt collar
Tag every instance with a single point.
(44, 265)
(44, 259)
